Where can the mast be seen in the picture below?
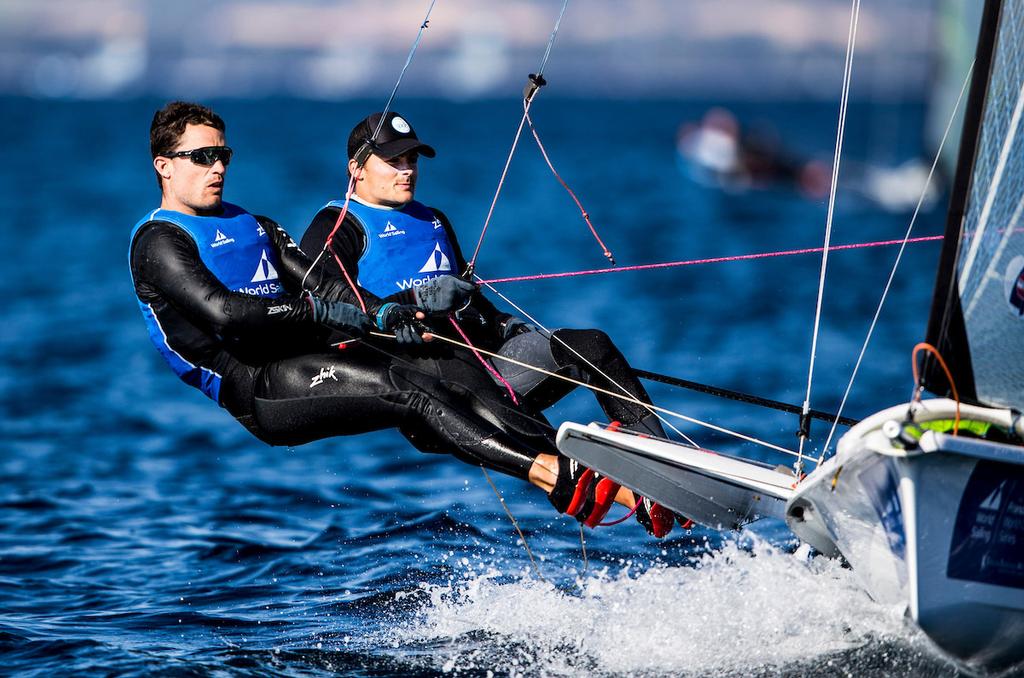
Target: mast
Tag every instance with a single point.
(946, 329)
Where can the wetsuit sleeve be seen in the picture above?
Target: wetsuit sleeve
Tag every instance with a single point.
(166, 259)
(321, 281)
(480, 303)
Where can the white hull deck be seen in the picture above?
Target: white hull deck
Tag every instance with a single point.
(939, 528)
(712, 489)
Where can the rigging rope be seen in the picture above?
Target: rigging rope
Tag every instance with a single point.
(899, 255)
(536, 81)
(622, 388)
(355, 176)
(598, 389)
(490, 368)
(924, 346)
(741, 397)
(712, 260)
(804, 432)
(515, 524)
(408, 60)
(586, 217)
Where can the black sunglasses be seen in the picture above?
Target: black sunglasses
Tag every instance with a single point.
(206, 156)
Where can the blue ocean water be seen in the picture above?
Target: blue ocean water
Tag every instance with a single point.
(143, 532)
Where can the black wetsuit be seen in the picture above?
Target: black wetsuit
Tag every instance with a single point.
(581, 354)
(281, 381)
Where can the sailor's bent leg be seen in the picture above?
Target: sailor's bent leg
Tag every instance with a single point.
(540, 391)
(592, 354)
(463, 375)
(440, 419)
(319, 395)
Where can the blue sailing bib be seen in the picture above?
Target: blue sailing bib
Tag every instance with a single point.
(238, 252)
(404, 248)
(233, 245)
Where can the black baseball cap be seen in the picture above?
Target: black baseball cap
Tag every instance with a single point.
(395, 138)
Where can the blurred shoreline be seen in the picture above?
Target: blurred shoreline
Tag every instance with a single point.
(316, 49)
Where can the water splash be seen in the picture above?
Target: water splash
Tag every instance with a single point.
(742, 609)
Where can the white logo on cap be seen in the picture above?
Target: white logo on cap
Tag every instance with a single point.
(400, 125)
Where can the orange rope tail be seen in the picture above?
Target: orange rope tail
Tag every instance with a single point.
(924, 346)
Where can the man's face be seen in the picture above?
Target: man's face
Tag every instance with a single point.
(190, 188)
(390, 183)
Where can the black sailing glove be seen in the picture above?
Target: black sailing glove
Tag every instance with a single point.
(401, 319)
(339, 316)
(444, 293)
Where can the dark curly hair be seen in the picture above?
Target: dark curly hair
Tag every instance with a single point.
(169, 124)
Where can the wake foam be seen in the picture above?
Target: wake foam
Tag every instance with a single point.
(742, 609)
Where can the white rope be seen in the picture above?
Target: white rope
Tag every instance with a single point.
(551, 40)
(847, 73)
(380, 123)
(892, 273)
(408, 60)
(622, 388)
(598, 389)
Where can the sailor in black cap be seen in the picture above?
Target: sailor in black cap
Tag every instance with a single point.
(407, 253)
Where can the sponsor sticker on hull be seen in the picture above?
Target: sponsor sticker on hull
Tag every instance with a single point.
(988, 536)
(882, 484)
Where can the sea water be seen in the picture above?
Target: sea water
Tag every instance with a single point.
(143, 532)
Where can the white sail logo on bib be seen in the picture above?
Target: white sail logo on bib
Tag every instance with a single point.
(265, 271)
(436, 262)
(221, 239)
(390, 230)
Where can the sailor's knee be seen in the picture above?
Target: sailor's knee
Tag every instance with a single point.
(592, 344)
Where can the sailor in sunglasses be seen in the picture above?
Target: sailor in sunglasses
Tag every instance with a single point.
(227, 302)
(408, 253)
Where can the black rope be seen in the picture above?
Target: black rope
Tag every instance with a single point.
(742, 397)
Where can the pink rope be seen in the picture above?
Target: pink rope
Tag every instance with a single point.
(490, 368)
(330, 238)
(623, 518)
(586, 217)
(713, 260)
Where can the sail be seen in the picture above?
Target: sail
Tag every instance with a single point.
(977, 318)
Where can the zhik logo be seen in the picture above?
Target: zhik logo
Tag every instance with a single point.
(325, 373)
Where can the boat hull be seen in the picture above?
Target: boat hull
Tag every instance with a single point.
(716, 490)
(939, 529)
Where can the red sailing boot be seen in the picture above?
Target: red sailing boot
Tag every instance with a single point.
(582, 493)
